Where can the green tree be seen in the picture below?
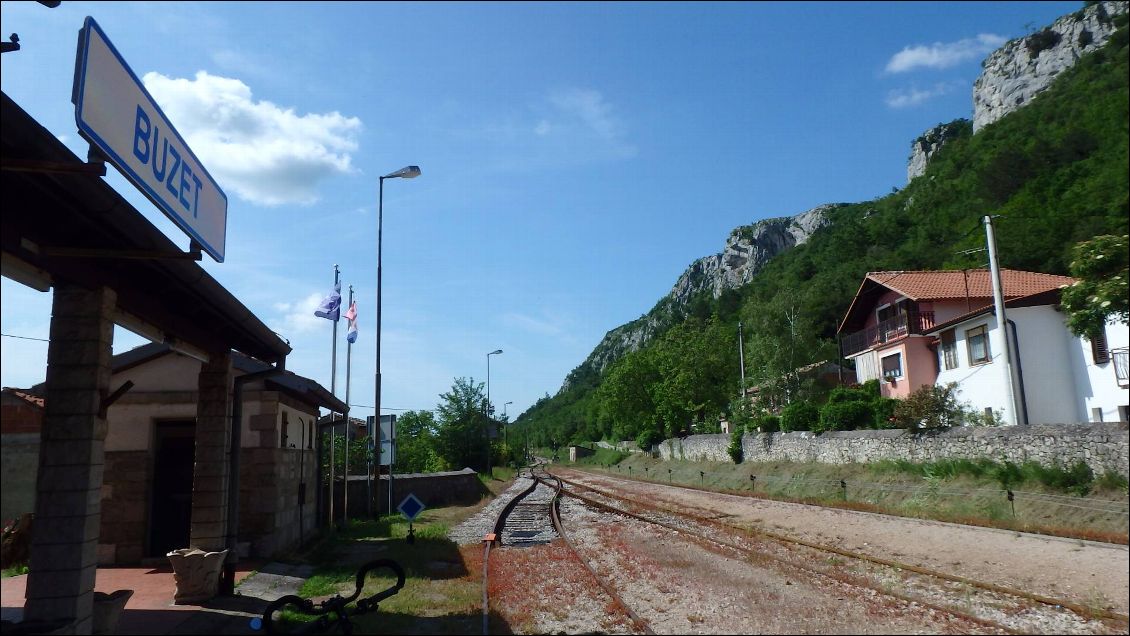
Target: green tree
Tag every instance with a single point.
(624, 397)
(461, 429)
(783, 338)
(1101, 293)
(416, 433)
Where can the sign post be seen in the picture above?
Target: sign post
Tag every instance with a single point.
(118, 116)
(411, 508)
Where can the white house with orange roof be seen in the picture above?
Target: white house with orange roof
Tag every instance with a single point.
(916, 328)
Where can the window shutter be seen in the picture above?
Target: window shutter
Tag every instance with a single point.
(1100, 352)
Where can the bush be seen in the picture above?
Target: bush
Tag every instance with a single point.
(648, 438)
(735, 448)
(884, 411)
(845, 416)
(767, 423)
(799, 416)
(1041, 41)
(863, 393)
(930, 406)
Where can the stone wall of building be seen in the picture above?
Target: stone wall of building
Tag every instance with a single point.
(125, 507)
(272, 516)
(1103, 447)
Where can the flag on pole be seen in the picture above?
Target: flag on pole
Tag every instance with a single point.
(351, 316)
(330, 307)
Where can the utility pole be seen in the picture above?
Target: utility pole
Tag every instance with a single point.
(741, 357)
(1014, 416)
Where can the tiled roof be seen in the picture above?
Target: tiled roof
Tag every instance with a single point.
(936, 285)
(25, 396)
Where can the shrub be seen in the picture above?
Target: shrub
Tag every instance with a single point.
(767, 423)
(884, 412)
(930, 406)
(735, 448)
(1041, 41)
(648, 438)
(799, 416)
(845, 416)
(866, 392)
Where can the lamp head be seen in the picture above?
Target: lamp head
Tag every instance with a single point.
(496, 351)
(407, 172)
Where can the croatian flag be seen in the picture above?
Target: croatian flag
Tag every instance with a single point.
(351, 316)
(331, 305)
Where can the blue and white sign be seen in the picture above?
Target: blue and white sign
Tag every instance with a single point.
(411, 507)
(116, 114)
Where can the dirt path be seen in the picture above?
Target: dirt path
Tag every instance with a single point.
(1088, 573)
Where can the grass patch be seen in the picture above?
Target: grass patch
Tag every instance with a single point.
(1061, 501)
(15, 570)
(442, 591)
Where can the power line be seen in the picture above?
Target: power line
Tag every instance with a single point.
(8, 335)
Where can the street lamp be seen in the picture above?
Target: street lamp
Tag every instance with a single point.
(486, 409)
(407, 172)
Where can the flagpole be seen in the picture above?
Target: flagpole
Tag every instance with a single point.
(333, 392)
(348, 360)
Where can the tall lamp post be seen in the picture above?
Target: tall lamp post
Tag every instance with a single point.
(407, 172)
(486, 408)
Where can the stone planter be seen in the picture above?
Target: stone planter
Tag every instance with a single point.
(197, 574)
(107, 609)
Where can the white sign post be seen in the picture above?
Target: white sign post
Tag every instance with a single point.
(117, 115)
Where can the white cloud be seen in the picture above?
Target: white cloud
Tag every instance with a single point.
(941, 55)
(298, 317)
(584, 111)
(908, 97)
(264, 153)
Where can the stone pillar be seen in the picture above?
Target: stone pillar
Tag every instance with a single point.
(210, 474)
(68, 503)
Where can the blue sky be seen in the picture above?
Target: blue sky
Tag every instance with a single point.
(576, 157)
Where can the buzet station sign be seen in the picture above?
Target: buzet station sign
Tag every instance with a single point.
(117, 114)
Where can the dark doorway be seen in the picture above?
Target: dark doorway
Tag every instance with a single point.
(175, 452)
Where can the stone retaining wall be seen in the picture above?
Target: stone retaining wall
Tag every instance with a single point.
(1103, 447)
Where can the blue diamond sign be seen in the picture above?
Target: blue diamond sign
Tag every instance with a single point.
(411, 507)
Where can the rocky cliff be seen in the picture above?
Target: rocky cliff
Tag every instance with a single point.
(931, 141)
(1025, 67)
(747, 250)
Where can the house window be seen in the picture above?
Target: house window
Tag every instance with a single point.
(1124, 413)
(1100, 352)
(892, 367)
(1097, 414)
(949, 349)
(977, 339)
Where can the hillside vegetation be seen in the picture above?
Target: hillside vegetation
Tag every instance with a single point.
(1055, 172)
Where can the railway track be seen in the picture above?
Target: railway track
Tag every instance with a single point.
(936, 590)
(532, 518)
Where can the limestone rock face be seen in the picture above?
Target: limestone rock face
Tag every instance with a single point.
(747, 250)
(1021, 69)
(926, 146)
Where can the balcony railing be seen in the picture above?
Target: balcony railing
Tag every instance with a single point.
(900, 326)
(1121, 359)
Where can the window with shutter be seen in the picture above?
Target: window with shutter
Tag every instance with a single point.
(1100, 352)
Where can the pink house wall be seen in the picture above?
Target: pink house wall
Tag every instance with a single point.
(919, 367)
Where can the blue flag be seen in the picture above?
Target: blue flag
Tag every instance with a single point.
(331, 305)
